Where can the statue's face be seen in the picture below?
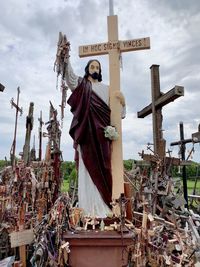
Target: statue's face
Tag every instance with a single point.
(94, 67)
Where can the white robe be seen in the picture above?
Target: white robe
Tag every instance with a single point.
(89, 198)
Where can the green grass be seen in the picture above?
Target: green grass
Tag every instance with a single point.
(65, 186)
(190, 185)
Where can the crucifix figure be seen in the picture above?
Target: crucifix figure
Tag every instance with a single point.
(98, 106)
(159, 100)
(18, 109)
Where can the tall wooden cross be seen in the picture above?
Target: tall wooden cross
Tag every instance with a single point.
(113, 48)
(159, 100)
(18, 109)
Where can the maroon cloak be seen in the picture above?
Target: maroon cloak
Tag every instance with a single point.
(91, 116)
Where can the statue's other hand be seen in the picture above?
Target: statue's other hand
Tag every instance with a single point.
(120, 97)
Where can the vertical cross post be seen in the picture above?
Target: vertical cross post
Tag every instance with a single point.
(18, 109)
(159, 142)
(114, 70)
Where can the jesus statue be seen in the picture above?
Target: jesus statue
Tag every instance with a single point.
(89, 103)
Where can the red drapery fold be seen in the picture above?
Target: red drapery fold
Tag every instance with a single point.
(91, 116)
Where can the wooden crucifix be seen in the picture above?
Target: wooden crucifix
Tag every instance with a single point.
(18, 109)
(159, 100)
(113, 48)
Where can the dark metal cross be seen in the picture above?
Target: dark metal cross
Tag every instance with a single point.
(159, 100)
(182, 144)
(18, 109)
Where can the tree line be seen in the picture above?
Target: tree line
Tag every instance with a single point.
(69, 172)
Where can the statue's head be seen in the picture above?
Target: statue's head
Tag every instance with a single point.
(93, 69)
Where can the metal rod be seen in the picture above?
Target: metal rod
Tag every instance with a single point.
(111, 8)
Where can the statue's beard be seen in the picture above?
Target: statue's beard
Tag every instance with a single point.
(95, 75)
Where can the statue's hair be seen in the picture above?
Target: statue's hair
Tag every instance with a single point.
(87, 69)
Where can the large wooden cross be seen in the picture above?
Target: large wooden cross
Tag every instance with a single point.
(113, 48)
(159, 100)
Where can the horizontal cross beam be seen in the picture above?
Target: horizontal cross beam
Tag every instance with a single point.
(181, 142)
(153, 158)
(163, 100)
(16, 106)
(122, 46)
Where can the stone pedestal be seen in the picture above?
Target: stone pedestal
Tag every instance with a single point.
(99, 248)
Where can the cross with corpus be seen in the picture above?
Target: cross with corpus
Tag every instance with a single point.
(113, 48)
(159, 100)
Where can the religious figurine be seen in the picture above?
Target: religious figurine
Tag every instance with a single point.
(89, 103)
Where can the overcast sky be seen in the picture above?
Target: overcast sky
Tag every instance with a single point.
(28, 42)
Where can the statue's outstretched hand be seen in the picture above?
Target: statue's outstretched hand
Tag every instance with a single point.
(120, 97)
(62, 54)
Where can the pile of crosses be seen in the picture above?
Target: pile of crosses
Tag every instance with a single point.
(28, 188)
(167, 234)
(50, 249)
(26, 196)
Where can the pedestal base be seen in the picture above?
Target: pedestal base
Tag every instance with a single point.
(99, 248)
